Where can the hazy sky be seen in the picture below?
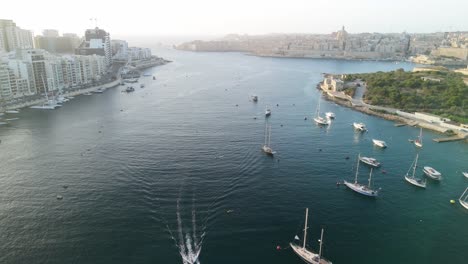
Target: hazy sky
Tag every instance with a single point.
(217, 17)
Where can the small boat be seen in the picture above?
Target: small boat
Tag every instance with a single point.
(129, 89)
(99, 90)
(267, 112)
(463, 199)
(361, 188)
(318, 119)
(379, 143)
(465, 174)
(88, 93)
(254, 98)
(267, 146)
(370, 161)
(413, 180)
(330, 115)
(44, 106)
(432, 173)
(12, 111)
(418, 142)
(308, 255)
(142, 86)
(359, 126)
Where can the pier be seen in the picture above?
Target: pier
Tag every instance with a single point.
(449, 139)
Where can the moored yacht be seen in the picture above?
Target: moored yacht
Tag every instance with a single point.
(306, 254)
(129, 89)
(267, 111)
(463, 198)
(465, 173)
(330, 115)
(359, 126)
(370, 161)
(254, 98)
(432, 173)
(318, 119)
(413, 180)
(361, 188)
(379, 143)
(99, 90)
(267, 146)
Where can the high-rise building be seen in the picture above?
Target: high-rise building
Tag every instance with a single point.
(52, 42)
(13, 37)
(50, 33)
(97, 41)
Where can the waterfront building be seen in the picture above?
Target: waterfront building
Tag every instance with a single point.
(52, 42)
(13, 37)
(97, 41)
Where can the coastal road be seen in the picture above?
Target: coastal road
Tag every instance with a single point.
(359, 94)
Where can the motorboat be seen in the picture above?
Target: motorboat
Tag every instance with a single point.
(267, 112)
(465, 174)
(432, 173)
(306, 254)
(370, 161)
(254, 98)
(88, 93)
(379, 143)
(129, 89)
(359, 126)
(99, 90)
(330, 115)
(411, 178)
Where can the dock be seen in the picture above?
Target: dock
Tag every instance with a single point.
(448, 139)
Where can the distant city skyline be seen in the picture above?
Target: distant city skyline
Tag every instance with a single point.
(210, 17)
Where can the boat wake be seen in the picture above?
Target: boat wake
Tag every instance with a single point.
(188, 240)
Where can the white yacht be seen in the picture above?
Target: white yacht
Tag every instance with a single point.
(463, 198)
(370, 161)
(418, 142)
(308, 255)
(465, 173)
(413, 180)
(99, 90)
(318, 119)
(330, 115)
(44, 106)
(432, 173)
(267, 146)
(361, 188)
(379, 143)
(359, 126)
(267, 111)
(88, 93)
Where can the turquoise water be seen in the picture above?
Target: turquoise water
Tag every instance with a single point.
(176, 168)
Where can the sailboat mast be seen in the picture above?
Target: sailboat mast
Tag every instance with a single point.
(320, 249)
(305, 227)
(463, 194)
(269, 136)
(266, 128)
(318, 106)
(357, 168)
(415, 164)
(370, 178)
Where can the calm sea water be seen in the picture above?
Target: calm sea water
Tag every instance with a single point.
(174, 171)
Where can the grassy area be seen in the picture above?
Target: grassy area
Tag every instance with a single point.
(444, 93)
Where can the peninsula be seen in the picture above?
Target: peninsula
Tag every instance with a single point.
(441, 48)
(431, 97)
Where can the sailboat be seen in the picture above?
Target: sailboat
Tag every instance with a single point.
(267, 147)
(361, 188)
(50, 104)
(418, 142)
(318, 119)
(306, 254)
(463, 201)
(413, 180)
